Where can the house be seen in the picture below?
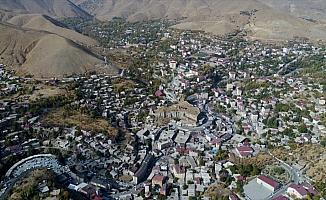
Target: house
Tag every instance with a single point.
(244, 151)
(297, 191)
(87, 190)
(233, 197)
(301, 191)
(158, 180)
(159, 94)
(281, 197)
(267, 182)
(179, 171)
(99, 182)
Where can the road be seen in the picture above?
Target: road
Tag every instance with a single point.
(295, 176)
(22, 168)
(288, 64)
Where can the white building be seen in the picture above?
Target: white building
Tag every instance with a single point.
(267, 182)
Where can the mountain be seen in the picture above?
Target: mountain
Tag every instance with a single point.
(48, 24)
(43, 54)
(53, 8)
(314, 10)
(261, 19)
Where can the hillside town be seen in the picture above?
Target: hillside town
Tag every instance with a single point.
(193, 116)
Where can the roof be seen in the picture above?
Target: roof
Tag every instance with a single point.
(281, 198)
(268, 181)
(158, 178)
(310, 188)
(159, 93)
(245, 149)
(299, 188)
(233, 197)
(179, 169)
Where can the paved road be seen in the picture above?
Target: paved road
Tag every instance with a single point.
(295, 176)
(288, 64)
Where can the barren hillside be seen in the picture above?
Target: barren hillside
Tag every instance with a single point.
(262, 19)
(54, 8)
(44, 55)
(48, 24)
(307, 9)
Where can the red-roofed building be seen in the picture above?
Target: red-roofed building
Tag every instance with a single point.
(158, 180)
(310, 189)
(179, 171)
(244, 151)
(233, 197)
(300, 191)
(182, 150)
(267, 182)
(159, 93)
(216, 142)
(96, 197)
(281, 198)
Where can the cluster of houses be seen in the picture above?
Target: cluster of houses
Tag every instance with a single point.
(215, 97)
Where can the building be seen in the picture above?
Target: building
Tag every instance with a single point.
(158, 180)
(173, 64)
(267, 183)
(244, 151)
(182, 111)
(281, 197)
(144, 170)
(101, 183)
(301, 191)
(182, 137)
(179, 171)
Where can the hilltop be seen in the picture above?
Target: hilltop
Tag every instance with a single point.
(42, 54)
(54, 8)
(48, 24)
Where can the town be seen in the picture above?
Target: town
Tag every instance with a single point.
(190, 116)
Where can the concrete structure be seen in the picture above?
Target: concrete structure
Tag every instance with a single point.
(256, 191)
(182, 111)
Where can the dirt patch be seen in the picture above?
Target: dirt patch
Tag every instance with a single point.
(63, 118)
(217, 190)
(310, 157)
(27, 187)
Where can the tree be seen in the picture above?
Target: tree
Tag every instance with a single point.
(302, 128)
(221, 155)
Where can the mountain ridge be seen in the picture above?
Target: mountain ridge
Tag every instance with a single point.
(218, 16)
(53, 8)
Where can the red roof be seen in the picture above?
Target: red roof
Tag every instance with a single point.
(182, 150)
(233, 197)
(179, 169)
(245, 149)
(96, 197)
(310, 188)
(216, 141)
(159, 93)
(281, 198)
(269, 181)
(158, 178)
(299, 188)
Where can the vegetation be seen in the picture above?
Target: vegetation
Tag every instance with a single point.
(245, 169)
(67, 116)
(221, 155)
